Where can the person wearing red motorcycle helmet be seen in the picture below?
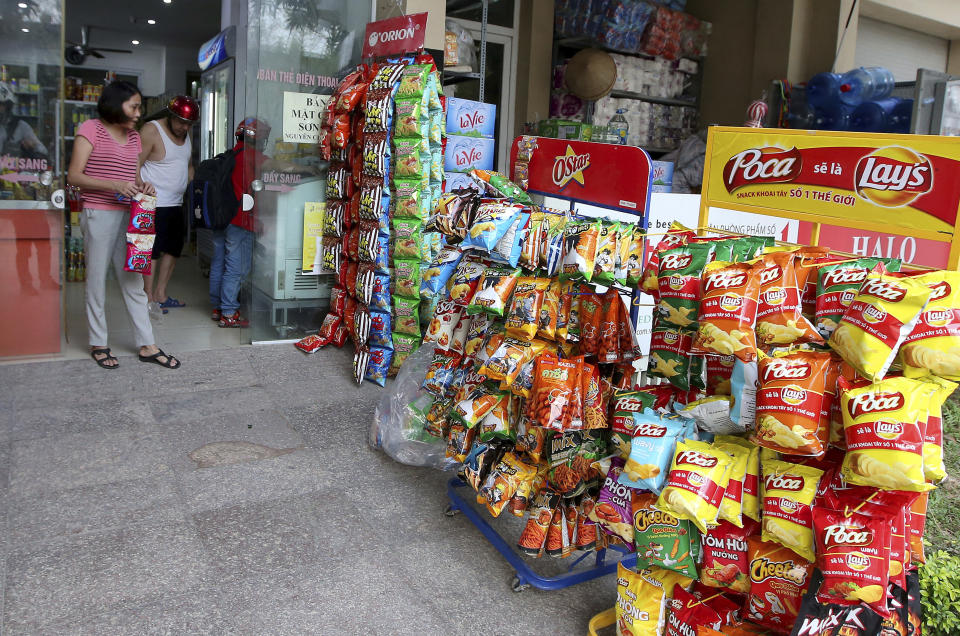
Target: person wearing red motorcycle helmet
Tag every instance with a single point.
(233, 246)
(166, 159)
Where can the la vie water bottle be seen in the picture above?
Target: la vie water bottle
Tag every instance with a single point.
(618, 128)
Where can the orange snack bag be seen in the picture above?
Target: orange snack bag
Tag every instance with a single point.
(555, 385)
(524, 316)
(591, 315)
(780, 318)
(881, 316)
(790, 403)
(728, 310)
(916, 526)
(549, 313)
(608, 349)
(778, 581)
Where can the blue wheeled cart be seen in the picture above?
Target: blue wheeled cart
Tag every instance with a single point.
(617, 179)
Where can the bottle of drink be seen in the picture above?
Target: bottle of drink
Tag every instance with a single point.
(872, 116)
(865, 84)
(618, 129)
(822, 89)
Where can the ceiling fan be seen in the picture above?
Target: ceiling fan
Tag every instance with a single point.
(77, 53)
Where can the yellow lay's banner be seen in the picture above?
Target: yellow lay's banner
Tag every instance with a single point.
(906, 184)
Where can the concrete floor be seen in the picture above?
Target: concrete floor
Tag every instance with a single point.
(123, 511)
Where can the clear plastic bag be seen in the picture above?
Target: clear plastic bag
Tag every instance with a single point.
(398, 421)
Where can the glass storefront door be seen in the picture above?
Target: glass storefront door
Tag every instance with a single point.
(31, 197)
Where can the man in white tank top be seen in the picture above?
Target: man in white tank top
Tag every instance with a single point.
(166, 164)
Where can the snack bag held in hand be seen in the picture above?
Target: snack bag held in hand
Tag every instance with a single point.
(788, 494)
(139, 253)
(790, 401)
(680, 285)
(878, 320)
(698, 477)
(778, 581)
(728, 310)
(662, 540)
(780, 318)
(933, 346)
(641, 603)
(883, 424)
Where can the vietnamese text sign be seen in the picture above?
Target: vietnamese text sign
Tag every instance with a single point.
(302, 115)
(904, 184)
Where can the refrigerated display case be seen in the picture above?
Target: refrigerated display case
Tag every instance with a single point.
(217, 92)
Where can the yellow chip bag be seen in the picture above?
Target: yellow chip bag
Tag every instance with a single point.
(524, 316)
(934, 344)
(881, 316)
(788, 494)
(641, 603)
(933, 467)
(698, 478)
(884, 424)
(731, 508)
(751, 478)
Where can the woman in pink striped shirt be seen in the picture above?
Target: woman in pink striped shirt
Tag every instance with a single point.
(105, 166)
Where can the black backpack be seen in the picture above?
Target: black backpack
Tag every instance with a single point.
(212, 199)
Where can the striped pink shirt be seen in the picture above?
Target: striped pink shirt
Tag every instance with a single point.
(108, 160)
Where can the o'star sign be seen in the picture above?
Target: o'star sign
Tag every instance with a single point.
(302, 116)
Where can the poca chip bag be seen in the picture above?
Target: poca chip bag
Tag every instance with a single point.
(680, 284)
(788, 494)
(790, 401)
(933, 346)
(651, 449)
(837, 284)
(729, 310)
(698, 478)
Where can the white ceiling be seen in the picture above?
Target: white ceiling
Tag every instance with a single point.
(182, 23)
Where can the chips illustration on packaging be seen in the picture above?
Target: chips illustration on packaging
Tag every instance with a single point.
(933, 345)
(670, 356)
(837, 284)
(788, 494)
(750, 499)
(641, 603)
(780, 318)
(933, 467)
(580, 249)
(790, 401)
(698, 478)
(680, 284)
(728, 310)
(651, 450)
(883, 423)
(607, 251)
(676, 236)
(778, 581)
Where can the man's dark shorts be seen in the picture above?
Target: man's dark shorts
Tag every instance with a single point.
(170, 232)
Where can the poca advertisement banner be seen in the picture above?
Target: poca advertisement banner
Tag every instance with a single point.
(302, 115)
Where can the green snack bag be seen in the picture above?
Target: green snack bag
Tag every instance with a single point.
(670, 356)
(751, 247)
(722, 248)
(406, 317)
(407, 200)
(661, 539)
(408, 159)
(698, 372)
(407, 238)
(679, 284)
(608, 245)
(406, 277)
(509, 189)
(837, 284)
(409, 120)
(403, 346)
(413, 81)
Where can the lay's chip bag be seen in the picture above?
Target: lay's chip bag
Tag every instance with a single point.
(933, 467)
(731, 508)
(883, 423)
(788, 494)
(790, 401)
(676, 236)
(779, 314)
(750, 499)
(680, 284)
(729, 310)
(877, 321)
(933, 346)
(651, 449)
(837, 284)
(698, 478)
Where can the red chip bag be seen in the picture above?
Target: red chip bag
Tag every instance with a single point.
(725, 564)
(790, 402)
(687, 612)
(729, 310)
(677, 236)
(780, 318)
(778, 580)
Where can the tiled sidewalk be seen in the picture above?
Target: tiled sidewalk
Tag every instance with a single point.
(236, 495)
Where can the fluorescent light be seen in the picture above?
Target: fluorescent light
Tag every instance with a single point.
(151, 21)
(25, 29)
(167, 1)
(134, 42)
(22, 5)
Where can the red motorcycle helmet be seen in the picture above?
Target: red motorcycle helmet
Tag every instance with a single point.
(253, 129)
(184, 108)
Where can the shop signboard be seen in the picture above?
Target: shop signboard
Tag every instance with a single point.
(402, 34)
(605, 175)
(303, 114)
(906, 185)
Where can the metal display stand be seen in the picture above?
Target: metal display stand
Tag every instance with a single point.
(619, 179)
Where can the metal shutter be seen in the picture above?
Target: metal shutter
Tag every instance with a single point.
(901, 50)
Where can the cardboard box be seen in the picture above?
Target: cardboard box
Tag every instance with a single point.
(474, 119)
(464, 154)
(456, 180)
(662, 176)
(566, 129)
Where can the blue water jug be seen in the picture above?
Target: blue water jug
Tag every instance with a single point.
(822, 89)
(873, 116)
(900, 117)
(865, 84)
(832, 116)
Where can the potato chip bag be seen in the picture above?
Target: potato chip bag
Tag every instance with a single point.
(916, 525)
(441, 269)
(933, 345)
(530, 250)
(445, 318)
(728, 310)
(460, 441)
(641, 603)
(698, 477)
(837, 284)
(552, 248)
(790, 401)
(933, 467)
(504, 364)
(661, 539)
(883, 424)
(651, 450)
(580, 249)
(788, 493)
(465, 280)
(731, 507)
(719, 372)
(493, 291)
(778, 581)
(750, 500)
(670, 356)
(878, 320)
(625, 403)
(687, 613)
(604, 264)
(677, 236)
(680, 284)
(630, 267)
(476, 405)
(829, 619)
(853, 551)
(524, 315)
(780, 318)
(491, 221)
(725, 564)
(503, 481)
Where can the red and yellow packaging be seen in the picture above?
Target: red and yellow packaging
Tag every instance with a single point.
(881, 316)
(933, 346)
(883, 425)
(698, 478)
(676, 236)
(780, 319)
(687, 612)
(788, 494)
(549, 313)
(729, 310)
(933, 467)
(641, 603)
(854, 558)
(731, 507)
(790, 403)
(750, 498)
(725, 563)
(778, 581)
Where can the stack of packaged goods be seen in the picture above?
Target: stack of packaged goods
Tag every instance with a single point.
(776, 481)
(469, 143)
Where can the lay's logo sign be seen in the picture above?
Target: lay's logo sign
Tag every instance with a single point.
(893, 177)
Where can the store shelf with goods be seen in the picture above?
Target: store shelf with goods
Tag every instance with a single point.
(667, 101)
